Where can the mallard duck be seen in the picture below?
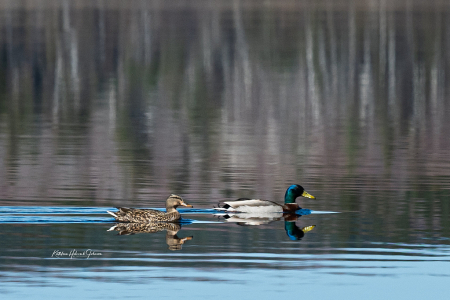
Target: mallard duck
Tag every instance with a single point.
(250, 219)
(257, 205)
(133, 215)
(172, 240)
(294, 232)
(152, 227)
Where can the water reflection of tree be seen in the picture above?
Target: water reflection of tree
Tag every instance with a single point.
(106, 102)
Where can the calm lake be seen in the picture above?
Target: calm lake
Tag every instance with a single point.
(112, 103)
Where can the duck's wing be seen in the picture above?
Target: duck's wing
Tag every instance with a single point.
(125, 209)
(122, 212)
(135, 211)
(250, 206)
(126, 214)
(251, 203)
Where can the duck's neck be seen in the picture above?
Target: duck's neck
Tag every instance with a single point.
(290, 207)
(289, 197)
(170, 209)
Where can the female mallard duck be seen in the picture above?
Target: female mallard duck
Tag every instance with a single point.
(263, 206)
(172, 239)
(133, 215)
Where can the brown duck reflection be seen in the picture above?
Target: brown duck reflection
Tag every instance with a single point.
(172, 239)
(248, 219)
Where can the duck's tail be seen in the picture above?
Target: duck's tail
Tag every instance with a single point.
(112, 214)
(225, 207)
(112, 228)
(220, 209)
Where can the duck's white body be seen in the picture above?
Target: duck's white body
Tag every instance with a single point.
(259, 206)
(254, 219)
(252, 206)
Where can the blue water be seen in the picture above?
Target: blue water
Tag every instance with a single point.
(221, 259)
(215, 265)
(46, 214)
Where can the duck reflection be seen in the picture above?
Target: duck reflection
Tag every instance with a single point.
(294, 232)
(248, 219)
(251, 219)
(172, 239)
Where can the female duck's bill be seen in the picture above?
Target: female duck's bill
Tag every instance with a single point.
(174, 201)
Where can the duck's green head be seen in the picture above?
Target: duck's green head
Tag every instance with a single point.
(295, 191)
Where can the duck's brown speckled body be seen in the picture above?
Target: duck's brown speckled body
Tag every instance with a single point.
(133, 228)
(172, 240)
(134, 215)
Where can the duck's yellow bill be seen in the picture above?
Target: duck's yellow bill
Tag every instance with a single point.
(308, 195)
(308, 228)
(188, 238)
(187, 205)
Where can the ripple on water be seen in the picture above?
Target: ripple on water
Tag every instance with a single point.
(47, 214)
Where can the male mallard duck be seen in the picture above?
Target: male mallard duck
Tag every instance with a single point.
(250, 219)
(133, 215)
(294, 232)
(256, 205)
